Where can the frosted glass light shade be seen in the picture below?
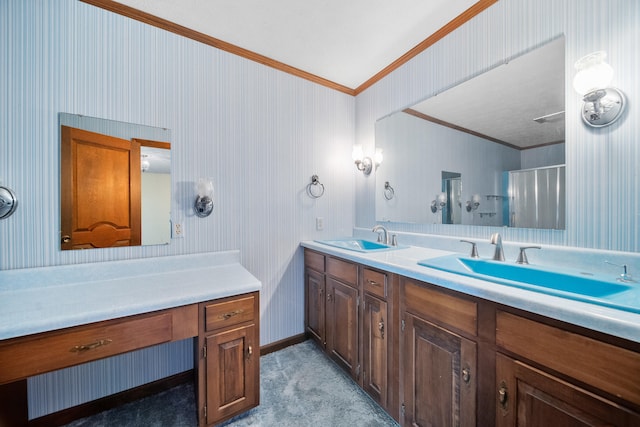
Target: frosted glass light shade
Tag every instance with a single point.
(593, 73)
(377, 157)
(205, 187)
(357, 153)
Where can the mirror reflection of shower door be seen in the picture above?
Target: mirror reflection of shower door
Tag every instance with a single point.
(536, 198)
(452, 187)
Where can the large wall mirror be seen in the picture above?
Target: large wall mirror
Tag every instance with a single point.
(115, 185)
(489, 151)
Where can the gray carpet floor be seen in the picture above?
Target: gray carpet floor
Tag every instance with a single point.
(299, 386)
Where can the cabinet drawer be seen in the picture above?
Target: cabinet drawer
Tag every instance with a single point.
(343, 270)
(443, 309)
(375, 282)
(314, 260)
(55, 350)
(607, 367)
(229, 313)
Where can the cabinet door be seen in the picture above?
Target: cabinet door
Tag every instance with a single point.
(374, 351)
(232, 365)
(439, 371)
(342, 325)
(315, 295)
(528, 397)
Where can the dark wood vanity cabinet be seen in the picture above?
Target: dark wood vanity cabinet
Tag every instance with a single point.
(439, 358)
(229, 358)
(434, 356)
(350, 314)
(332, 301)
(573, 382)
(379, 338)
(315, 306)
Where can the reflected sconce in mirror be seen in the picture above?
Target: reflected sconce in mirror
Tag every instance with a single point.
(315, 189)
(603, 105)
(473, 204)
(204, 202)
(8, 202)
(144, 162)
(365, 164)
(439, 202)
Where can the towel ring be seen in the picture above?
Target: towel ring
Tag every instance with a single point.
(389, 193)
(315, 188)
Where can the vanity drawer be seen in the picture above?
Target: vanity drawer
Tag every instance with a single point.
(229, 312)
(345, 271)
(609, 368)
(36, 354)
(440, 308)
(314, 260)
(374, 282)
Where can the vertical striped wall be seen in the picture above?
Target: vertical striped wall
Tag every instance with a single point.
(603, 183)
(259, 133)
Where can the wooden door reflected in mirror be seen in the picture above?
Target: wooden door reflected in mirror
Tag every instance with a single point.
(115, 183)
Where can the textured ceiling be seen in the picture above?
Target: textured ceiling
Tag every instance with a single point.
(503, 103)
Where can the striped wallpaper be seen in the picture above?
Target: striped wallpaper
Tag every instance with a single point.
(261, 134)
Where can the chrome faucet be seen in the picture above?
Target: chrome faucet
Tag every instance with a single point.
(380, 229)
(522, 257)
(496, 239)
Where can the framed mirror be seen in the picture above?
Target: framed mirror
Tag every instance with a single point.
(496, 128)
(115, 183)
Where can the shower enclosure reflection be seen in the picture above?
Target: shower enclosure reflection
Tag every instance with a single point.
(452, 188)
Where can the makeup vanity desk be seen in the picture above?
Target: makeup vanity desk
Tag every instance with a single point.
(55, 317)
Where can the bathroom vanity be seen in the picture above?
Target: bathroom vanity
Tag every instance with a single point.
(435, 348)
(56, 317)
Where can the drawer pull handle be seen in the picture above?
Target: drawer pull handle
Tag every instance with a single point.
(373, 282)
(249, 351)
(86, 347)
(230, 314)
(381, 328)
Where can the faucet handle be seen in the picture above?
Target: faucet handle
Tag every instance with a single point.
(522, 257)
(625, 276)
(474, 248)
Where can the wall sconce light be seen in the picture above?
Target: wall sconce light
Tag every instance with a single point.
(366, 163)
(8, 202)
(439, 203)
(144, 163)
(603, 105)
(473, 204)
(204, 202)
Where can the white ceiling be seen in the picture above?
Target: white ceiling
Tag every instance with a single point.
(344, 41)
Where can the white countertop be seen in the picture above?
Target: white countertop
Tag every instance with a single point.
(43, 299)
(404, 262)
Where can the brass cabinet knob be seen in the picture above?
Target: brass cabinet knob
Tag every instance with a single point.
(503, 396)
(466, 375)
